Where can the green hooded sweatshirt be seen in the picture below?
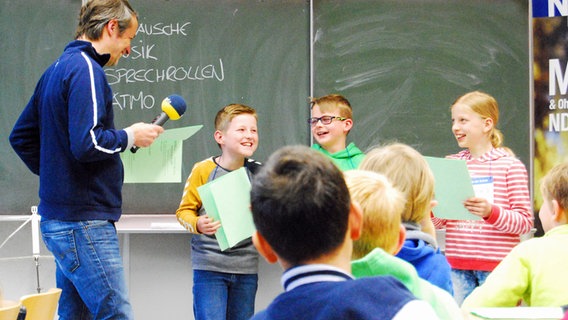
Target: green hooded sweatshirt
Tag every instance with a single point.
(346, 159)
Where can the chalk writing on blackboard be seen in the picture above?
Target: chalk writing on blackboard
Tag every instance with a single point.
(153, 42)
(167, 29)
(171, 73)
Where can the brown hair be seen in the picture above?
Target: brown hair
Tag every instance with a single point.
(227, 113)
(332, 102)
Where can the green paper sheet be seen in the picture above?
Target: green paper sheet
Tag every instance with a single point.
(227, 199)
(161, 162)
(452, 187)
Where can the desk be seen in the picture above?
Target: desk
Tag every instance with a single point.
(143, 223)
(518, 313)
(149, 223)
(131, 223)
(128, 224)
(159, 272)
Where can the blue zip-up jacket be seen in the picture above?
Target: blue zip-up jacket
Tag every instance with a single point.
(66, 135)
(420, 250)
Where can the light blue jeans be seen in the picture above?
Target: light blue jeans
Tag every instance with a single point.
(89, 269)
(223, 296)
(465, 281)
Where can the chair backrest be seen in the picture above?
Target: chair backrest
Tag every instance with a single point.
(9, 310)
(41, 306)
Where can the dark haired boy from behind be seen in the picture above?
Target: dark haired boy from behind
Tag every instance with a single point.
(306, 221)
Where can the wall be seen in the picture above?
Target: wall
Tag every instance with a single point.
(158, 272)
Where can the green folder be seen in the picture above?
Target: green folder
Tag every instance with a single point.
(452, 186)
(227, 199)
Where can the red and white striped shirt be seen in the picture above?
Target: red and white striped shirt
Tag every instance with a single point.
(482, 244)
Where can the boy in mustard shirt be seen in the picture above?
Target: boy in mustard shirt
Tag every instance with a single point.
(224, 282)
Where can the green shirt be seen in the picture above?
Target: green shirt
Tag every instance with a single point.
(346, 159)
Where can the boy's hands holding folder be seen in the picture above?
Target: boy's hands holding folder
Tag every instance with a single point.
(207, 225)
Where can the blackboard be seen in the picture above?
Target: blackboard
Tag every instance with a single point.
(212, 53)
(400, 63)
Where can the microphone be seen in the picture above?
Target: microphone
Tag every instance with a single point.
(173, 107)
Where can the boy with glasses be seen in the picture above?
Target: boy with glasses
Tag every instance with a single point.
(331, 122)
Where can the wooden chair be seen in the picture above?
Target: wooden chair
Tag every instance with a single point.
(41, 306)
(9, 310)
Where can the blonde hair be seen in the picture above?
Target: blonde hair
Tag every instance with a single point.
(382, 206)
(333, 102)
(554, 186)
(487, 108)
(227, 113)
(409, 172)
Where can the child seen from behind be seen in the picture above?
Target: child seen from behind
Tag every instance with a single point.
(409, 172)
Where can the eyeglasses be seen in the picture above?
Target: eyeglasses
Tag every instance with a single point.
(324, 120)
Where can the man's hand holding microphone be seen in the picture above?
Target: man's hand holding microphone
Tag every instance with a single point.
(144, 134)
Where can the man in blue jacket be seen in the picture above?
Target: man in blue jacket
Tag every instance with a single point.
(66, 135)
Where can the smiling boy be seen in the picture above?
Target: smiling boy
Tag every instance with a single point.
(224, 282)
(330, 123)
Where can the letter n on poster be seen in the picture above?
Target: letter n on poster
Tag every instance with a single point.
(227, 199)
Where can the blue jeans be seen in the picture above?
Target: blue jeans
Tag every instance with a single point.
(465, 281)
(88, 269)
(223, 296)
